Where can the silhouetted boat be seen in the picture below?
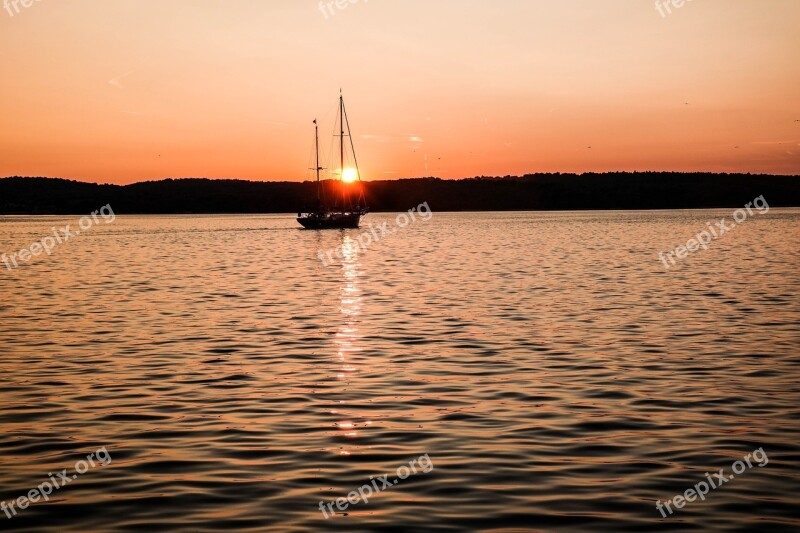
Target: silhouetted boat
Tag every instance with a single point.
(342, 214)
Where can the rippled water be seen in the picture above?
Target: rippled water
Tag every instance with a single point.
(556, 374)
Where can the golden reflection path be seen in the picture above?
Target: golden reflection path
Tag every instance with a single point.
(347, 336)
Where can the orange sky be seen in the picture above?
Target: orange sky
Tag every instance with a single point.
(130, 90)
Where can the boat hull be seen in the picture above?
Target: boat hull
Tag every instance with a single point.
(331, 221)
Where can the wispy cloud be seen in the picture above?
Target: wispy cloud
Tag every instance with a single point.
(377, 138)
(393, 138)
(116, 81)
(775, 142)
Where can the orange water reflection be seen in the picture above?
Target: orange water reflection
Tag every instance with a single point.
(347, 336)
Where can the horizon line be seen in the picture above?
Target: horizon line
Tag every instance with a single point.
(250, 180)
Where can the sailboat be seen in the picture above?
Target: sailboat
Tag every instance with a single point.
(343, 213)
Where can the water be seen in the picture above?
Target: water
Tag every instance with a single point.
(556, 374)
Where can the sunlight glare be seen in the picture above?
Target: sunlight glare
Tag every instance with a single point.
(349, 175)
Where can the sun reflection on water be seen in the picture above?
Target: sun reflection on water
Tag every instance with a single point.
(347, 336)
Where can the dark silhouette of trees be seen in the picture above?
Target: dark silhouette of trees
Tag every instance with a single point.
(619, 190)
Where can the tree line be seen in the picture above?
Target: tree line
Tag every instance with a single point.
(619, 190)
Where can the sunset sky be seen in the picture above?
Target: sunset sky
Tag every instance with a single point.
(131, 90)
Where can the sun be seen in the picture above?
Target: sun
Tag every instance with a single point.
(349, 175)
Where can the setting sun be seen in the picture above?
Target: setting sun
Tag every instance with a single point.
(349, 175)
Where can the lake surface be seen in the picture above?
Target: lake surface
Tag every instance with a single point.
(555, 373)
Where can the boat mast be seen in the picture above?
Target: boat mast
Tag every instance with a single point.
(341, 146)
(316, 148)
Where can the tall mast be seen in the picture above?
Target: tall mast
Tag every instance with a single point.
(341, 145)
(316, 148)
(341, 136)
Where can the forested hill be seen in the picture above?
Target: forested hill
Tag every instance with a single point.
(646, 190)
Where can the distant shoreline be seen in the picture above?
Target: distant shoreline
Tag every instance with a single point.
(620, 191)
